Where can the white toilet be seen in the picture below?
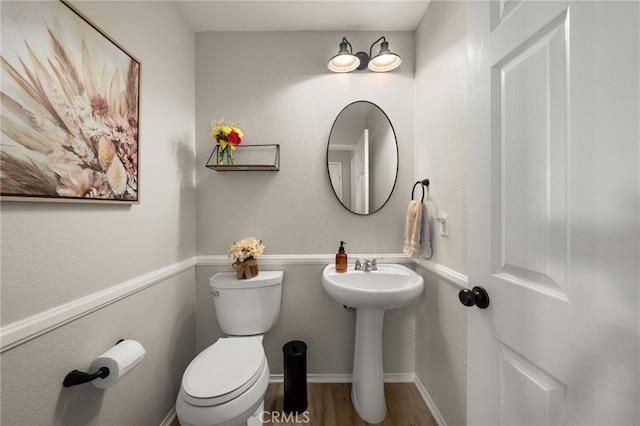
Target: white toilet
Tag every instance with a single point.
(226, 383)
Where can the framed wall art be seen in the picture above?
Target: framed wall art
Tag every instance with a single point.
(70, 108)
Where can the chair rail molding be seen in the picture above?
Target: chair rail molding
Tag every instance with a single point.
(304, 259)
(19, 332)
(452, 276)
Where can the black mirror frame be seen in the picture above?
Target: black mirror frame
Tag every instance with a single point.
(397, 159)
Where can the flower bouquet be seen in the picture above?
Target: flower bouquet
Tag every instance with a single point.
(228, 136)
(246, 253)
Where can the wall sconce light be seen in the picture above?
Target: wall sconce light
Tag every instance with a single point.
(346, 60)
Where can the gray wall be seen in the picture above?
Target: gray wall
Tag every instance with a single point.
(293, 100)
(441, 156)
(54, 255)
(74, 251)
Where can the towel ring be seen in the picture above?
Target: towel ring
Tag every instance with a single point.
(422, 183)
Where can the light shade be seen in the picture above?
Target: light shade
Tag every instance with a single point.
(385, 60)
(345, 60)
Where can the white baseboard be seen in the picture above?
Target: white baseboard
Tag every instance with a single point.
(316, 378)
(399, 378)
(347, 378)
(168, 420)
(430, 404)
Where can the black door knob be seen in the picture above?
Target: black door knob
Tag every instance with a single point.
(476, 296)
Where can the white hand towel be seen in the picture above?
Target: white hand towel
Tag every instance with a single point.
(412, 229)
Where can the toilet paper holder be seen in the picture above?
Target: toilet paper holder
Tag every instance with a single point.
(77, 377)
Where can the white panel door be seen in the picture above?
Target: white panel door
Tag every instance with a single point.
(553, 212)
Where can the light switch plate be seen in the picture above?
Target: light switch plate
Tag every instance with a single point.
(443, 224)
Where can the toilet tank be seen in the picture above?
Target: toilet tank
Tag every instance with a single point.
(247, 307)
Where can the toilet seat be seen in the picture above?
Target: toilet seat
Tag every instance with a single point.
(223, 371)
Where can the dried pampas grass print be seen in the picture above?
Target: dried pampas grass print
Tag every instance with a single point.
(69, 126)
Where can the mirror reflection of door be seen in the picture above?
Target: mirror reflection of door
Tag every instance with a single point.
(363, 142)
(360, 175)
(335, 174)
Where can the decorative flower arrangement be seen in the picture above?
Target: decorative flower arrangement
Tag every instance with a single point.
(246, 253)
(228, 135)
(246, 248)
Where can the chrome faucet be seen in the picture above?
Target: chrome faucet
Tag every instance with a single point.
(369, 265)
(366, 265)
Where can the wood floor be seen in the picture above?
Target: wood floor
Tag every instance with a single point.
(330, 405)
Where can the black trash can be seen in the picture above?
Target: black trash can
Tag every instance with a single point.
(295, 377)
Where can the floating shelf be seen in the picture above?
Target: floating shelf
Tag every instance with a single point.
(248, 158)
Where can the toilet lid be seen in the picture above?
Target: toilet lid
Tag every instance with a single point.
(223, 371)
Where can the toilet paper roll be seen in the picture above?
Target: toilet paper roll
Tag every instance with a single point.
(120, 359)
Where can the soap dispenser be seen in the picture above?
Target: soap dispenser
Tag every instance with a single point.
(341, 258)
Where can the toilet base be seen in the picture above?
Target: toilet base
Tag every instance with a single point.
(255, 419)
(230, 413)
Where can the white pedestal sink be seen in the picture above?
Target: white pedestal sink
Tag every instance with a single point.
(371, 293)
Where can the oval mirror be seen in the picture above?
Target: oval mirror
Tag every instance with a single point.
(362, 157)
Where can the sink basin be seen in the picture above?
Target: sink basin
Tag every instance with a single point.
(371, 293)
(390, 286)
